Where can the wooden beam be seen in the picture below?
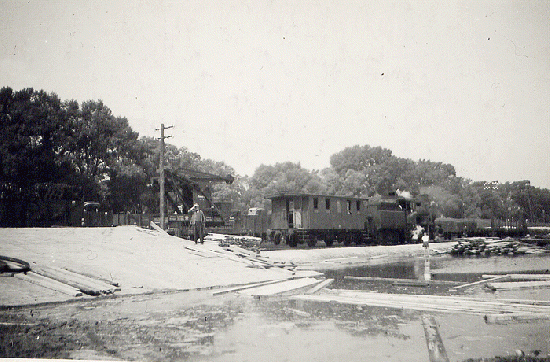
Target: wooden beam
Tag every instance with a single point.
(320, 286)
(501, 277)
(519, 285)
(436, 349)
(401, 281)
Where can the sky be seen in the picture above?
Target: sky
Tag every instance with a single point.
(259, 82)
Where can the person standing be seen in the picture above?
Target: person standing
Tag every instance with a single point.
(197, 223)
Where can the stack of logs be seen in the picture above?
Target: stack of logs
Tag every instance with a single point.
(487, 247)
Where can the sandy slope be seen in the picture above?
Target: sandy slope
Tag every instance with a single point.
(138, 260)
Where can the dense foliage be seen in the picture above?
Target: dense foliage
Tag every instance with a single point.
(98, 156)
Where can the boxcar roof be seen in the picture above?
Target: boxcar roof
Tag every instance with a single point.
(297, 194)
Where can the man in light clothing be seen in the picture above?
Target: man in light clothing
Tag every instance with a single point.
(197, 223)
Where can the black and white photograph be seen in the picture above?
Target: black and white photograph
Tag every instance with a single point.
(275, 180)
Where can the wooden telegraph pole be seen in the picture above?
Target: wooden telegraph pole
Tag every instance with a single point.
(161, 174)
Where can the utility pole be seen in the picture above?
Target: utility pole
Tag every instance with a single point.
(161, 174)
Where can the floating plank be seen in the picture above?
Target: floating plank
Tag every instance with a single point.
(495, 278)
(519, 285)
(520, 277)
(402, 281)
(320, 286)
(281, 287)
(528, 277)
(428, 303)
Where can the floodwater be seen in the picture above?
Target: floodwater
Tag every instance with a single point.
(200, 326)
(276, 329)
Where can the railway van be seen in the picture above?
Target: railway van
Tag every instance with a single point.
(309, 218)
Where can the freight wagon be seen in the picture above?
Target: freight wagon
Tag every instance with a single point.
(309, 218)
(449, 228)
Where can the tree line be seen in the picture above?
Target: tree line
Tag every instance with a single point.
(97, 156)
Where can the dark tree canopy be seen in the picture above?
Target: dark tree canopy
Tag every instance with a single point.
(98, 157)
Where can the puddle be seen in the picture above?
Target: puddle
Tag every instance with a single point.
(462, 269)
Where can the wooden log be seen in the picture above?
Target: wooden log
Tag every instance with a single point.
(520, 277)
(412, 283)
(18, 324)
(92, 282)
(529, 277)
(436, 349)
(505, 318)
(402, 281)
(103, 280)
(86, 285)
(519, 285)
(501, 277)
(527, 302)
(49, 283)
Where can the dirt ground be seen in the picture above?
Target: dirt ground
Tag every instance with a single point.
(172, 304)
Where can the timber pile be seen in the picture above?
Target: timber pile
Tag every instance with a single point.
(237, 254)
(248, 242)
(493, 246)
(494, 311)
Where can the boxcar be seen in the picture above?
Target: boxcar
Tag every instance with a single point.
(308, 218)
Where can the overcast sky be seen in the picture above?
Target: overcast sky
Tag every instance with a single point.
(259, 82)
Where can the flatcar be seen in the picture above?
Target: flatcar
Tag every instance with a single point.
(448, 228)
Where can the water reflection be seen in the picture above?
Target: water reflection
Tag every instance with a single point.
(355, 320)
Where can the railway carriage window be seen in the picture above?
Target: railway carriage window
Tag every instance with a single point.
(327, 204)
(358, 205)
(349, 206)
(338, 207)
(315, 203)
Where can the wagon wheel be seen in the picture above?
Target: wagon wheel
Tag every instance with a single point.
(347, 240)
(293, 240)
(312, 241)
(277, 238)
